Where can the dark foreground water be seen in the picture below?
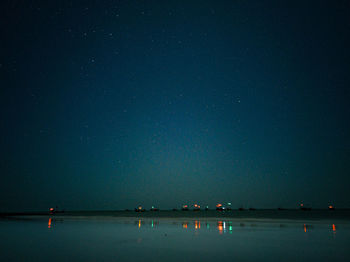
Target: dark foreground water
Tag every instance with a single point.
(109, 238)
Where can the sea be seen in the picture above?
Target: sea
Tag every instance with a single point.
(260, 235)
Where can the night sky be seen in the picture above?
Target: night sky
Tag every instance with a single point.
(111, 104)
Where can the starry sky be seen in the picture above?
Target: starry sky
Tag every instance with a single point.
(111, 104)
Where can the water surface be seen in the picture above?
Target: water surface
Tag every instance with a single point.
(172, 239)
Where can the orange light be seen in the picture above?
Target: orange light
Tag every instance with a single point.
(219, 205)
(330, 207)
(49, 224)
(185, 206)
(220, 227)
(185, 225)
(333, 227)
(301, 204)
(195, 205)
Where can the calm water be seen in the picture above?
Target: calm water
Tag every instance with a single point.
(186, 239)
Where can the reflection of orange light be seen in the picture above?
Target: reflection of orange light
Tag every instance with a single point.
(304, 228)
(333, 227)
(219, 205)
(139, 223)
(330, 207)
(197, 224)
(220, 227)
(184, 225)
(49, 224)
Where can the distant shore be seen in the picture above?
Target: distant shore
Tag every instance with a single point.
(316, 214)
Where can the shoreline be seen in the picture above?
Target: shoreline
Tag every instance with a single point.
(260, 215)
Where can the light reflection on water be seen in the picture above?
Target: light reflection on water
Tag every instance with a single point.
(109, 239)
(221, 226)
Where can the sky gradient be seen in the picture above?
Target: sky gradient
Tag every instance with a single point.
(111, 104)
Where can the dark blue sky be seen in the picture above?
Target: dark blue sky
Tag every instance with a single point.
(111, 104)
